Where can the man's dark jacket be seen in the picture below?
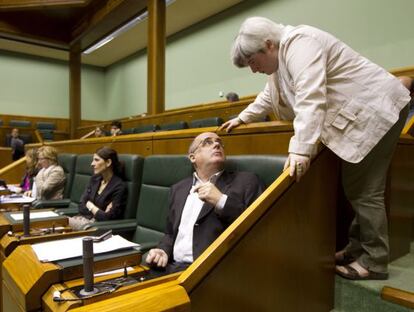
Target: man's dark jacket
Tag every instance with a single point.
(242, 188)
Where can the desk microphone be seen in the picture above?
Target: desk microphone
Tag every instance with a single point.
(88, 289)
(26, 220)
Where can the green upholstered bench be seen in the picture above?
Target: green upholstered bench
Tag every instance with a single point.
(45, 125)
(162, 171)
(20, 123)
(146, 128)
(179, 125)
(206, 122)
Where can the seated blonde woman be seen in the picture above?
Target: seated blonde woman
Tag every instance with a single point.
(50, 181)
(105, 196)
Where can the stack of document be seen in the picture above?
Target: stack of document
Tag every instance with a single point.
(72, 248)
(16, 199)
(18, 216)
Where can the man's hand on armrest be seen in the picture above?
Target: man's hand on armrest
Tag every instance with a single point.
(158, 257)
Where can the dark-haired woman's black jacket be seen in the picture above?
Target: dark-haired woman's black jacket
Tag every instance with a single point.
(115, 192)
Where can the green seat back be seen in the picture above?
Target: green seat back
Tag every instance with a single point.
(146, 128)
(47, 135)
(133, 165)
(128, 131)
(266, 167)
(20, 123)
(45, 125)
(206, 122)
(174, 126)
(83, 173)
(159, 174)
(67, 162)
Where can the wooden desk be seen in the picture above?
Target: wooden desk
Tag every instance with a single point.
(10, 242)
(26, 279)
(7, 223)
(160, 294)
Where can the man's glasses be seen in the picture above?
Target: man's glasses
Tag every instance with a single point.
(208, 142)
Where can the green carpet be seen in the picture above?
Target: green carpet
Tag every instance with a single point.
(364, 296)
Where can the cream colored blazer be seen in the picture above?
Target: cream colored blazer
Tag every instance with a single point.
(332, 94)
(50, 183)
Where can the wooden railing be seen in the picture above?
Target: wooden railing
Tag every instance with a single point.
(13, 172)
(409, 127)
(260, 138)
(216, 109)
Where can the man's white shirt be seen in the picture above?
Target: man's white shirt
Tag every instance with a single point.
(183, 246)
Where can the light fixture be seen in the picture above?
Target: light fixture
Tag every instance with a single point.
(121, 30)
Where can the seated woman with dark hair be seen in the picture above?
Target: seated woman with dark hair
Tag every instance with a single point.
(106, 194)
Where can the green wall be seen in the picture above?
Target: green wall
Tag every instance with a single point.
(198, 66)
(35, 86)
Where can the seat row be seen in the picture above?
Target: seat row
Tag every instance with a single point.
(148, 182)
(179, 125)
(41, 125)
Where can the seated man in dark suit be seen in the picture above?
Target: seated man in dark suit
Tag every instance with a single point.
(203, 205)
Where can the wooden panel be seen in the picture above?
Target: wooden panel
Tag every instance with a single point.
(26, 287)
(164, 297)
(26, 4)
(128, 144)
(102, 301)
(400, 200)
(403, 71)
(259, 138)
(5, 156)
(285, 261)
(19, 284)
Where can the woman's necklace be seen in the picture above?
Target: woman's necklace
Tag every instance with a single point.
(102, 186)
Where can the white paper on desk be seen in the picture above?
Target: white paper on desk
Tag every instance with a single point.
(13, 188)
(2, 188)
(16, 200)
(18, 216)
(129, 269)
(71, 248)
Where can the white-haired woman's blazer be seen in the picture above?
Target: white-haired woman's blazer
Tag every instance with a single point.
(332, 94)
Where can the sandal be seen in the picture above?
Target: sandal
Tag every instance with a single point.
(344, 258)
(353, 274)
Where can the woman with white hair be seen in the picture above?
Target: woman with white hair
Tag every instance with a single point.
(335, 96)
